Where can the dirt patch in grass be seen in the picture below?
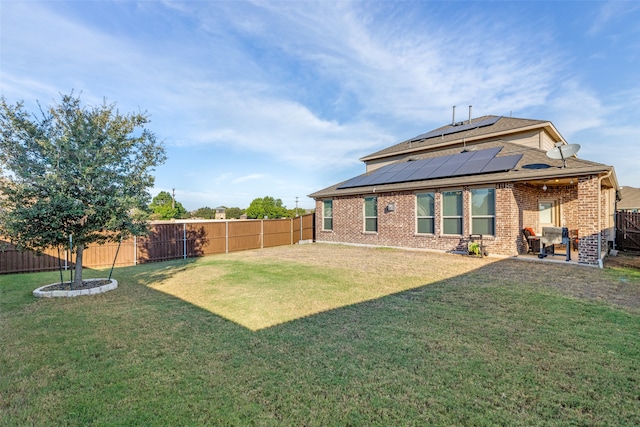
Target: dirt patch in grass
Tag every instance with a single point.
(624, 260)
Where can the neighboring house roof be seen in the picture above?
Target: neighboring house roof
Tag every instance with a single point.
(629, 198)
(534, 167)
(449, 134)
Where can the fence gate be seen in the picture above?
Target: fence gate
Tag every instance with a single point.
(628, 231)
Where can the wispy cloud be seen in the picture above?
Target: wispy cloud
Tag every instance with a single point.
(293, 93)
(246, 178)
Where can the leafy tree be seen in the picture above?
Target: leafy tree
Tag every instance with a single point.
(233, 213)
(292, 213)
(164, 207)
(74, 170)
(266, 207)
(205, 213)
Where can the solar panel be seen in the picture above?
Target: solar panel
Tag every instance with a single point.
(473, 166)
(502, 163)
(455, 129)
(465, 163)
(487, 153)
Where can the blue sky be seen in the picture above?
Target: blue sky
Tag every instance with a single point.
(282, 98)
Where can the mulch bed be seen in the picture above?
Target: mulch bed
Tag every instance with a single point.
(66, 286)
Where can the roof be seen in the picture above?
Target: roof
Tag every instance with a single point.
(533, 166)
(486, 127)
(629, 198)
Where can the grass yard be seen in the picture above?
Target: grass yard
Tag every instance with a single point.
(326, 335)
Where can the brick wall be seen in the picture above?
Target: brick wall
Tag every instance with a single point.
(516, 208)
(588, 217)
(398, 227)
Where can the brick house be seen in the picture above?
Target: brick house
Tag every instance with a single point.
(490, 175)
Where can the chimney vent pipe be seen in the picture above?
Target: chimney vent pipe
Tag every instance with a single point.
(470, 107)
(453, 119)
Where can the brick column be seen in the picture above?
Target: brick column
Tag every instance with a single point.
(588, 222)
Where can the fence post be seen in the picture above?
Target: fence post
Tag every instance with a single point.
(291, 228)
(226, 237)
(301, 228)
(262, 234)
(184, 240)
(135, 250)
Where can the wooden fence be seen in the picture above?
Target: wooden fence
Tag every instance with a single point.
(168, 240)
(628, 231)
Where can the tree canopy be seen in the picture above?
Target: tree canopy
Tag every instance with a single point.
(164, 207)
(74, 170)
(233, 213)
(266, 207)
(204, 213)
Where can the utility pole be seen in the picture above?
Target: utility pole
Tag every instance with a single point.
(296, 205)
(173, 198)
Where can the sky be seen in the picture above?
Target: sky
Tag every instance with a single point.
(281, 99)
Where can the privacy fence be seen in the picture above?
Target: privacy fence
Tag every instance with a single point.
(628, 231)
(166, 241)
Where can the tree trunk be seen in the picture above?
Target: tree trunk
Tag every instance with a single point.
(77, 281)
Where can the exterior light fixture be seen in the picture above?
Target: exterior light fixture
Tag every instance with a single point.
(544, 187)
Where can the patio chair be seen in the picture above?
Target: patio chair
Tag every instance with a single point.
(533, 241)
(574, 238)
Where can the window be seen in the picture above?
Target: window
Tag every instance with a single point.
(548, 217)
(425, 213)
(483, 211)
(452, 212)
(370, 214)
(327, 215)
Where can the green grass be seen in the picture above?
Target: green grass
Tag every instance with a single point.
(480, 348)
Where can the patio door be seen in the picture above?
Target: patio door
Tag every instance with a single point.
(548, 213)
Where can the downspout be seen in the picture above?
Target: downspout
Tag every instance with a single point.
(600, 263)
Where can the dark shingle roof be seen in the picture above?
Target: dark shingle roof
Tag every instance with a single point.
(503, 125)
(534, 165)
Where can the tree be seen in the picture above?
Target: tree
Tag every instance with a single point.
(295, 212)
(266, 207)
(233, 213)
(204, 213)
(74, 172)
(164, 207)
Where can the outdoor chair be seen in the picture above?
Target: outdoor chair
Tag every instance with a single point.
(574, 238)
(533, 241)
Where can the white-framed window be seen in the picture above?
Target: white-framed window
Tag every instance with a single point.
(483, 211)
(327, 215)
(425, 213)
(548, 210)
(371, 214)
(452, 212)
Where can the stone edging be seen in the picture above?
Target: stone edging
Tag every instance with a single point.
(39, 293)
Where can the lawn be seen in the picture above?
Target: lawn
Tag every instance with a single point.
(326, 335)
